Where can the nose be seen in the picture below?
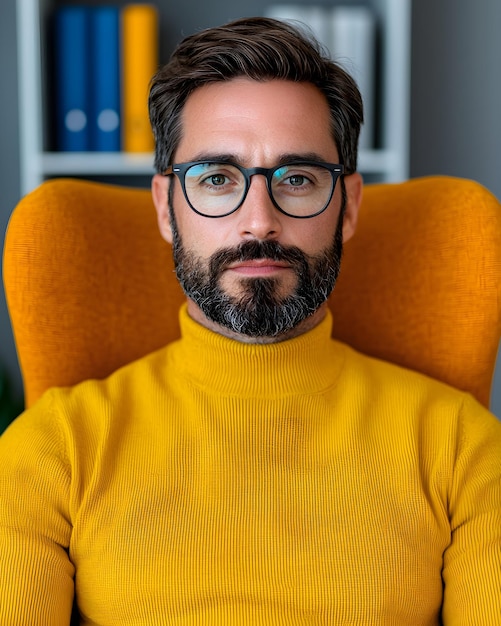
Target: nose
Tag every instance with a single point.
(258, 217)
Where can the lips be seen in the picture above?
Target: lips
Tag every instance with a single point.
(258, 263)
(258, 266)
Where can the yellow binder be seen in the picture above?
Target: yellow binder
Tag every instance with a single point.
(139, 63)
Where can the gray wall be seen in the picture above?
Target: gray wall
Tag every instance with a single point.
(456, 97)
(9, 166)
(456, 104)
(456, 90)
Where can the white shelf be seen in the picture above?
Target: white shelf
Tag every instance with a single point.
(121, 163)
(390, 163)
(96, 163)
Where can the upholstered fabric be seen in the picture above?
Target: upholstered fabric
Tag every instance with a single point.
(421, 280)
(90, 283)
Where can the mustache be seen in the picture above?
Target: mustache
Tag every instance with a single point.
(254, 249)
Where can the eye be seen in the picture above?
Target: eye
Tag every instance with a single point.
(216, 179)
(296, 180)
(212, 176)
(296, 176)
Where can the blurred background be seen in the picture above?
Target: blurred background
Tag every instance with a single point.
(454, 121)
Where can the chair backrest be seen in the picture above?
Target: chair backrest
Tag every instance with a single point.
(90, 284)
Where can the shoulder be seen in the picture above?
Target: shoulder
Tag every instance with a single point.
(124, 382)
(407, 394)
(412, 416)
(82, 415)
(394, 378)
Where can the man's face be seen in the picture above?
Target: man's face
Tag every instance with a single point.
(256, 273)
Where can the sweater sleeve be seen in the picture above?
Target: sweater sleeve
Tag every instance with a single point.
(35, 571)
(472, 563)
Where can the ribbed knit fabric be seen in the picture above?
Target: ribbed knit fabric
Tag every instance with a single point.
(216, 482)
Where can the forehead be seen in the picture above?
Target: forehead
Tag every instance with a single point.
(256, 120)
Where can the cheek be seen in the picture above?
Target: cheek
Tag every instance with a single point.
(201, 236)
(317, 234)
(317, 237)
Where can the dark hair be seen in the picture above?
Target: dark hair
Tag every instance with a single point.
(260, 49)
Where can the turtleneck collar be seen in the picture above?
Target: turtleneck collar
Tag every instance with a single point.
(306, 364)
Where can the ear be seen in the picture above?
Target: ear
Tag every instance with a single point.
(354, 188)
(159, 191)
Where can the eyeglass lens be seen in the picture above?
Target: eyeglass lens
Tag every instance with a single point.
(216, 189)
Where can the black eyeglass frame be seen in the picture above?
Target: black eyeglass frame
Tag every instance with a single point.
(179, 169)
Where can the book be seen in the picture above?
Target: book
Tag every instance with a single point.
(352, 44)
(313, 16)
(104, 90)
(71, 77)
(139, 63)
(348, 33)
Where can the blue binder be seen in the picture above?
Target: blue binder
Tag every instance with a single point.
(72, 67)
(105, 79)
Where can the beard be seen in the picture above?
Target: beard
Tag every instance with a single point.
(258, 311)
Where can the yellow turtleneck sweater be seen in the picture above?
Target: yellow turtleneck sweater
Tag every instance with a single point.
(216, 482)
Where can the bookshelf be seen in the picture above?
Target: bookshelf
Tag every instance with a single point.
(388, 162)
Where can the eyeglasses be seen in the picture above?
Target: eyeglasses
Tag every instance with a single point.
(299, 189)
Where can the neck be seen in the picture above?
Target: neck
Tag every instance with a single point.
(306, 325)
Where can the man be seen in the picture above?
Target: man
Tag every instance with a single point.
(256, 471)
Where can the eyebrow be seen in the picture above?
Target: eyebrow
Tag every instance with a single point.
(234, 158)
